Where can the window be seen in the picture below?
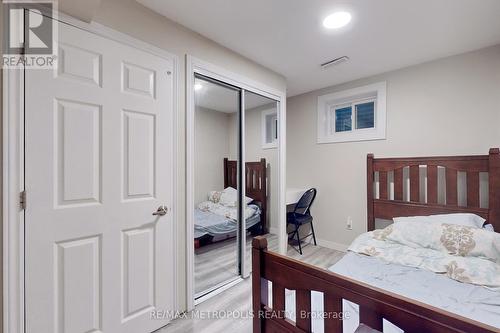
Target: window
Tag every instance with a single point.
(365, 115)
(269, 129)
(353, 115)
(342, 118)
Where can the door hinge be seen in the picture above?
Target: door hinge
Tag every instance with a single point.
(22, 200)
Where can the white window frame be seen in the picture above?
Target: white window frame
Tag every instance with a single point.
(264, 123)
(376, 92)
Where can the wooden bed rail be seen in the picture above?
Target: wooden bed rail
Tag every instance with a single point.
(374, 304)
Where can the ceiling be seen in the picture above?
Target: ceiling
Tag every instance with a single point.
(219, 98)
(287, 36)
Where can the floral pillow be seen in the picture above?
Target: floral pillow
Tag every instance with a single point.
(214, 196)
(458, 240)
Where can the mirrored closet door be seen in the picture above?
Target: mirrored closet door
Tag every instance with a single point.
(236, 177)
(216, 213)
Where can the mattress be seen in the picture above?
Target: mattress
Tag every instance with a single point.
(208, 223)
(471, 301)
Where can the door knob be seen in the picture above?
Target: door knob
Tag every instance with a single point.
(162, 210)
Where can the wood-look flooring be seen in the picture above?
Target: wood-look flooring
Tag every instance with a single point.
(217, 263)
(237, 299)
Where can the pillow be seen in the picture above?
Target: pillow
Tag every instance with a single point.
(229, 197)
(214, 196)
(465, 219)
(489, 227)
(457, 240)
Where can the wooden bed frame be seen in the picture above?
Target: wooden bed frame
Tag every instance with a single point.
(255, 184)
(256, 188)
(374, 303)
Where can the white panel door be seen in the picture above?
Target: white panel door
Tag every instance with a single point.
(99, 160)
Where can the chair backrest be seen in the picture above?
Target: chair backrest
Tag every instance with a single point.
(305, 202)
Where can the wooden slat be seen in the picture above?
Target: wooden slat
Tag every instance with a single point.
(388, 209)
(333, 309)
(473, 189)
(461, 163)
(382, 180)
(398, 184)
(415, 183)
(279, 300)
(303, 309)
(432, 187)
(451, 187)
(259, 285)
(277, 325)
(369, 192)
(371, 318)
(494, 188)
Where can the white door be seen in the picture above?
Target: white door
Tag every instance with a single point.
(99, 160)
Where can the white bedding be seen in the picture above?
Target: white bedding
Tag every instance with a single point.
(229, 212)
(450, 266)
(465, 299)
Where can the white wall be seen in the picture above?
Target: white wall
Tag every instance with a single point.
(445, 107)
(129, 17)
(211, 147)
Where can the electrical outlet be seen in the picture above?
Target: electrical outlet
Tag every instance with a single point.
(349, 223)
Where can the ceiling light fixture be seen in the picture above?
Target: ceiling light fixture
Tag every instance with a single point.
(337, 20)
(197, 86)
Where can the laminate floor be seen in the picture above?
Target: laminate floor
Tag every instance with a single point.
(217, 263)
(237, 300)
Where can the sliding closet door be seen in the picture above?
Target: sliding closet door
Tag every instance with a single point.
(216, 183)
(262, 170)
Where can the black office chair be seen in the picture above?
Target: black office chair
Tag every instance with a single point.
(302, 215)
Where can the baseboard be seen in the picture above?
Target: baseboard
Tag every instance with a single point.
(273, 231)
(332, 245)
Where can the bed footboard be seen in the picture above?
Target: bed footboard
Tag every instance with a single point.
(374, 304)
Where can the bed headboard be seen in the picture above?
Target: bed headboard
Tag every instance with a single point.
(384, 207)
(255, 183)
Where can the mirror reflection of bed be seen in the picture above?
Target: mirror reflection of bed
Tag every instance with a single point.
(216, 218)
(216, 223)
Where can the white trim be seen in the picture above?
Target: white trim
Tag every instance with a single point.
(265, 143)
(194, 65)
(243, 184)
(13, 217)
(332, 245)
(218, 289)
(190, 126)
(376, 91)
(13, 175)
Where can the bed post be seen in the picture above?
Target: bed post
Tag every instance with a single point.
(494, 188)
(369, 192)
(264, 196)
(226, 176)
(259, 285)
